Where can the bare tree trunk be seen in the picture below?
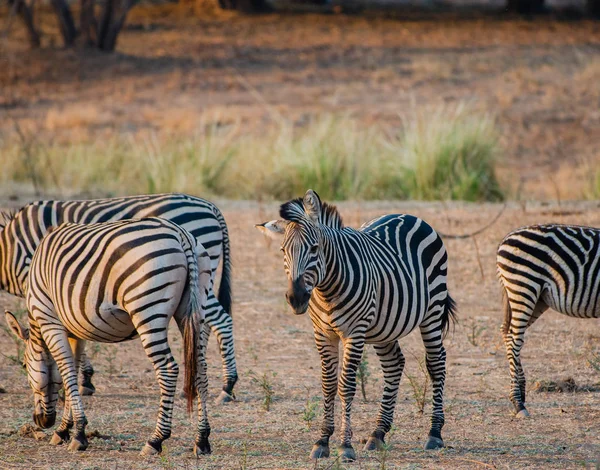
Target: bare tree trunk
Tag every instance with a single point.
(26, 15)
(65, 21)
(87, 23)
(105, 22)
(110, 40)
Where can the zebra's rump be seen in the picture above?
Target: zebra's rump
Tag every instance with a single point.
(97, 278)
(557, 264)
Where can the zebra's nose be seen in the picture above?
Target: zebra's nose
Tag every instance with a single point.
(44, 421)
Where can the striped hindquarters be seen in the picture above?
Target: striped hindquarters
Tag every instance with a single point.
(553, 266)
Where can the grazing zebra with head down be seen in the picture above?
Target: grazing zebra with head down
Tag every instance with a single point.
(373, 285)
(111, 282)
(21, 232)
(541, 267)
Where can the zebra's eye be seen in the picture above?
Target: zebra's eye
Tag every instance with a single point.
(314, 248)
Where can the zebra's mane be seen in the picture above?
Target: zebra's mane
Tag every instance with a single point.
(294, 211)
(6, 216)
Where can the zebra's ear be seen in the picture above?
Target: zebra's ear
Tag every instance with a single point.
(273, 228)
(312, 205)
(15, 326)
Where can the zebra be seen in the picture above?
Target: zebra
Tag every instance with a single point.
(540, 267)
(373, 285)
(111, 282)
(21, 232)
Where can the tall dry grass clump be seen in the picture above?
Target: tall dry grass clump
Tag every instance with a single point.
(449, 153)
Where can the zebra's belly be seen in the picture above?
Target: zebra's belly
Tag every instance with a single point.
(106, 324)
(573, 306)
(393, 326)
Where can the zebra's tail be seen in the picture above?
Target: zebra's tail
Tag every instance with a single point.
(199, 275)
(507, 312)
(225, 295)
(449, 315)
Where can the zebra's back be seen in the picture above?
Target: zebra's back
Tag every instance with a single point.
(558, 265)
(96, 278)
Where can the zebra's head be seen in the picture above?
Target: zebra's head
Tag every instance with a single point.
(42, 371)
(301, 227)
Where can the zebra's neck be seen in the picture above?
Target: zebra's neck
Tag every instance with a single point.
(11, 280)
(341, 252)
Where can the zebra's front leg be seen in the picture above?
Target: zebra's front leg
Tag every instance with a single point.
(202, 445)
(166, 369)
(329, 351)
(219, 321)
(67, 352)
(353, 351)
(392, 362)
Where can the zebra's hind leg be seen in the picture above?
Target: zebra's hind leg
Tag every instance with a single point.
(86, 371)
(392, 362)
(156, 346)
(202, 445)
(435, 358)
(219, 321)
(329, 351)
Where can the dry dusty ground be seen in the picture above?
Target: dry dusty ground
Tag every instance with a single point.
(480, 432)
(539, 77)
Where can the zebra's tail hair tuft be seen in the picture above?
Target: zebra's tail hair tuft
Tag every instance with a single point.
(449, 315)
(505, 328)
(225, 295)
(199, 272)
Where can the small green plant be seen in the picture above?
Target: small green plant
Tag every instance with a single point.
(264, 382)
(165, 461)
(244, 459)
(385, 452)
(419, 384)
(474, 330)
(111, 355)
(309, 413)
(363, 373)
(594, 361)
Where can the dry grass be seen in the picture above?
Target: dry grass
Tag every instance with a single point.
(480, 431)
(441, 153)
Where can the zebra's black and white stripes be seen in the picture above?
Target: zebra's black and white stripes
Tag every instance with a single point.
(21, 232)
(368, 286)
(111, 282)
(541, 267)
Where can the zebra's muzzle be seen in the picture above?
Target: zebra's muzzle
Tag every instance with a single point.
(298, 296)
(44, 421)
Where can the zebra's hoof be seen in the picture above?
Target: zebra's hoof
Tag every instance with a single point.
(374, 443)
(202, 447)
(148, 450)
(434, 443)
(522, 414)
(57, 439)
(76, 445)
(223, 398)
(347, 454)
(86, 391)
(319, 452)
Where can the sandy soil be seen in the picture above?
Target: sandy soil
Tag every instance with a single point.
(480, 430)
(540, 78)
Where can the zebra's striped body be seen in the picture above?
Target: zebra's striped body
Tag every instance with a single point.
(111, 282)
(24, 230)
(541, 267)
(368, 286)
